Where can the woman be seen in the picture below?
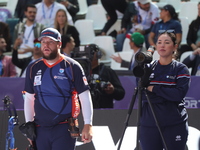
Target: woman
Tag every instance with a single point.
(193, 36)
(169, 20)
(63, 27)
(169, 83)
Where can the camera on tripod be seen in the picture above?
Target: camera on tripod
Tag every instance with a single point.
(142, 58)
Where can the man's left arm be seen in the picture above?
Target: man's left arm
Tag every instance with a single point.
(87, 111)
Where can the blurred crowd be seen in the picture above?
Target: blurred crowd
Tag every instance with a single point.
(142, 16)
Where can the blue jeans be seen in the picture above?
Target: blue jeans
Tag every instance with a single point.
(120, 41)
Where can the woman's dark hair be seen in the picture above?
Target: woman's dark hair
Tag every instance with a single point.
(171, 34)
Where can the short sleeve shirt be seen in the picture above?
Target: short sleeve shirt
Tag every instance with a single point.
(52, 86)
(169, 25)
(148, 17)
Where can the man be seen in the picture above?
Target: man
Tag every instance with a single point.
(23, 63)
(49, 85)
(104, 82)
(68, 44)
(136, 44)
(7, 69)
(21, 5)
(193, 61)
(149, 14)
(26, 32)
(47, 11)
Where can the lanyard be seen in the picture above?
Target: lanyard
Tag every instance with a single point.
(26, 39)
(50, 12)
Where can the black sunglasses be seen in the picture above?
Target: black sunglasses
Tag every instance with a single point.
(166, 31)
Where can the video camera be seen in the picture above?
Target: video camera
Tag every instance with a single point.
(85, 52)
(84, 55)
(142, 58)
(82, 52)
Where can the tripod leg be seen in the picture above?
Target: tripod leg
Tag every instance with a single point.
(154, 115)
(139, 113)
(128, 116)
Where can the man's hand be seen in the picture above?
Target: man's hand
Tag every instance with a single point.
(17, 43)
(122, 31)
(150, 88)
(109, 89)
(140, 31)
(197, 51)
(65, 3)
(117, 58)
(87, 133)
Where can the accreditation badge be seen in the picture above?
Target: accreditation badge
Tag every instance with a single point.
(37, 80)
(47, 22)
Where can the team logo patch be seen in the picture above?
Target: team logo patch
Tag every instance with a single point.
(61, 70)
(85, 81)
(37, 80)
(170, 77)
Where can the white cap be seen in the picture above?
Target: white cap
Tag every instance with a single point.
(144, 1)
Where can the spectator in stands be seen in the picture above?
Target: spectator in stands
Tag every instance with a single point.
(5, 32)
(24, 62)
(46, 12)
(169, 21)
(136, 44)
(111, 6)
(7, 68)
(193, 36)
(105, 85)
(131, 21)
(26, 32)
(21, 5)
(149, 14)
(193, 61)
(72, 7)
(68, 44)
(62, 25)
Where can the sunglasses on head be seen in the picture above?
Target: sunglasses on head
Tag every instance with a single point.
(38, 45)
(166, 31)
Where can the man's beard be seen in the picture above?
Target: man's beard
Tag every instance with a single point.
(52, 56)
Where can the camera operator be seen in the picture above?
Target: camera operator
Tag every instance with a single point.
(104, 83)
